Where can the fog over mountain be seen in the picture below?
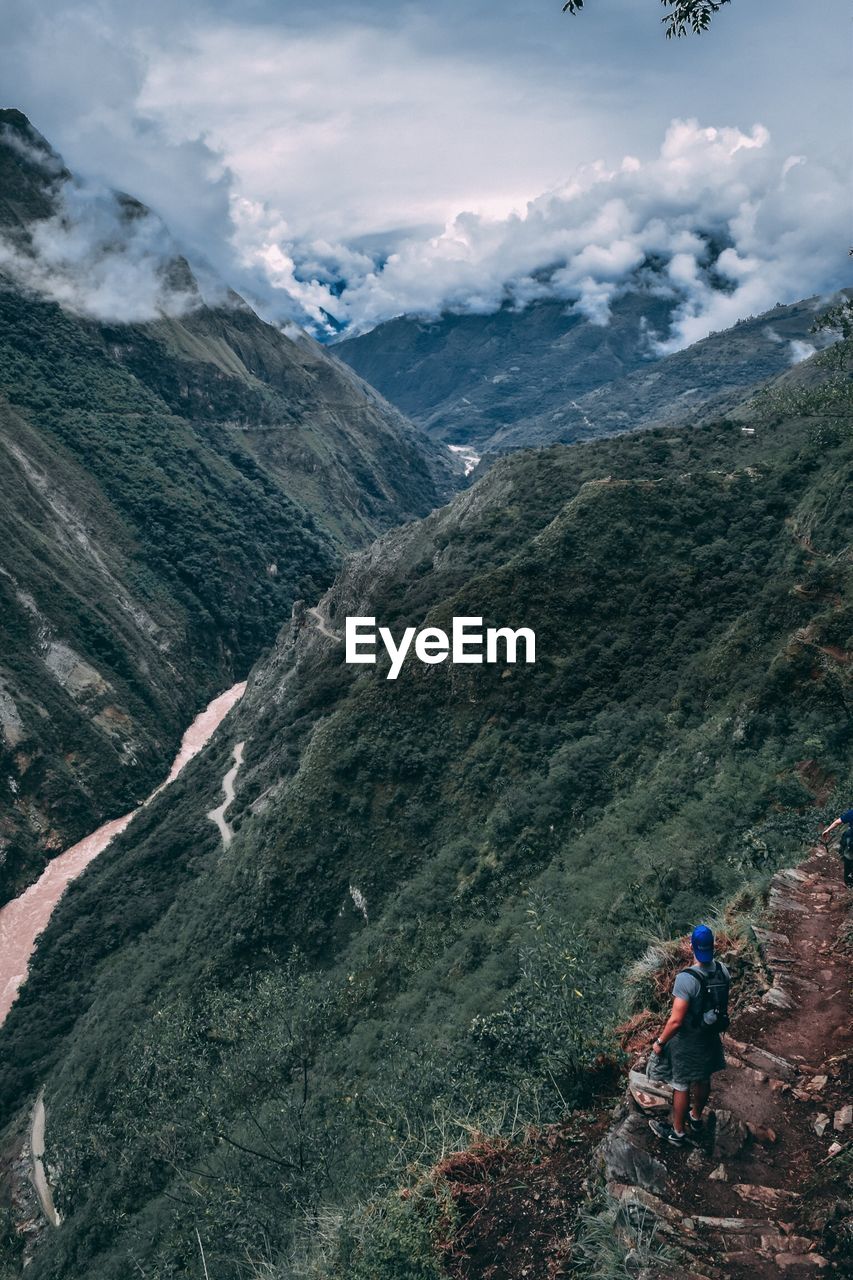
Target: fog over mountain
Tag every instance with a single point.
(342, 169)
(175, 473)
(734, 225)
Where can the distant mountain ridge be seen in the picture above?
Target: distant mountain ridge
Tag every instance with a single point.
(547, 375)
(169, 487)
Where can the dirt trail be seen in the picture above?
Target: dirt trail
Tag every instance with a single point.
(217, 815)
(39, 1177)
(746, 1201)
(322, 626)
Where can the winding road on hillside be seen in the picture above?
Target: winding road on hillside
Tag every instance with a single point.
(39, 1177)
(217, 815)
(322, 626)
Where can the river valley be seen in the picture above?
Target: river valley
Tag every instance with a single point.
(27, 916)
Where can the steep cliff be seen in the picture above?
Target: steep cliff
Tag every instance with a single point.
(170, 486)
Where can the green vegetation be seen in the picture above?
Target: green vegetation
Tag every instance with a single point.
(619, 1242)
(170, 489)
(234, 1049)
(204, 524)
(544, 374)
(143, 548)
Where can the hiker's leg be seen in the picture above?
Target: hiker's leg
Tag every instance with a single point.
(700, 1091)
(680, 1098)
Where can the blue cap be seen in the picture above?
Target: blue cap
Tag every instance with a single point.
(702, 942)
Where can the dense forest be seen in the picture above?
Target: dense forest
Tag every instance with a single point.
(436, 883)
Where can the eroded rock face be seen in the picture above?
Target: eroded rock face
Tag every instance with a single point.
(766, 1063)
(777, 998)
(730, 1135)
(812, 1261)
(625, 1158)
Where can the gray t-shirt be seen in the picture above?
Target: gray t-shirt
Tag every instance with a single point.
(690, 988)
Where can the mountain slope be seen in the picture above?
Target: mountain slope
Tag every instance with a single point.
(424, 870)
(546, 374)
(170, 487)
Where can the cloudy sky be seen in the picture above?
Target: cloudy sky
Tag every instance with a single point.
(363, 160)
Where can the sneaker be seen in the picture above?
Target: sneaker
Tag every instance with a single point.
(661, 1129)
(695, 1126)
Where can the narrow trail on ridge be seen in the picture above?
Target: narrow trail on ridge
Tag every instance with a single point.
(217, 815)
(744, 1200)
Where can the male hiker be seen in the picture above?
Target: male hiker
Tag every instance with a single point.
(845, 848)
(691, 1038)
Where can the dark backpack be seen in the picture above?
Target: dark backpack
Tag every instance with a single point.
(713, 1010)
(846, 846)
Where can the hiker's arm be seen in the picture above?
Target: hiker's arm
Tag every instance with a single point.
(676, 1017)
(831, 827)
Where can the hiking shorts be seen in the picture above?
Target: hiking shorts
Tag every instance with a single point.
(659, 1068)
(685, 1088)
(695, 1054)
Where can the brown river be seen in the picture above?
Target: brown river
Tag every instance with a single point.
(23, 919)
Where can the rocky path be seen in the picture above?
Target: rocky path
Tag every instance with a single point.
(762, 1195)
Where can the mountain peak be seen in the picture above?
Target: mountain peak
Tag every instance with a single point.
(19, 135)
(30, 172)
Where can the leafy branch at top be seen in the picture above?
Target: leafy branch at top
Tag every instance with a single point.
(682, 16)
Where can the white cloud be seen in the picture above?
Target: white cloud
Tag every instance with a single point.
(718, 221)
(800, 351)
(731, 227)
(357, 127)
(102, 257)
(282, 143)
